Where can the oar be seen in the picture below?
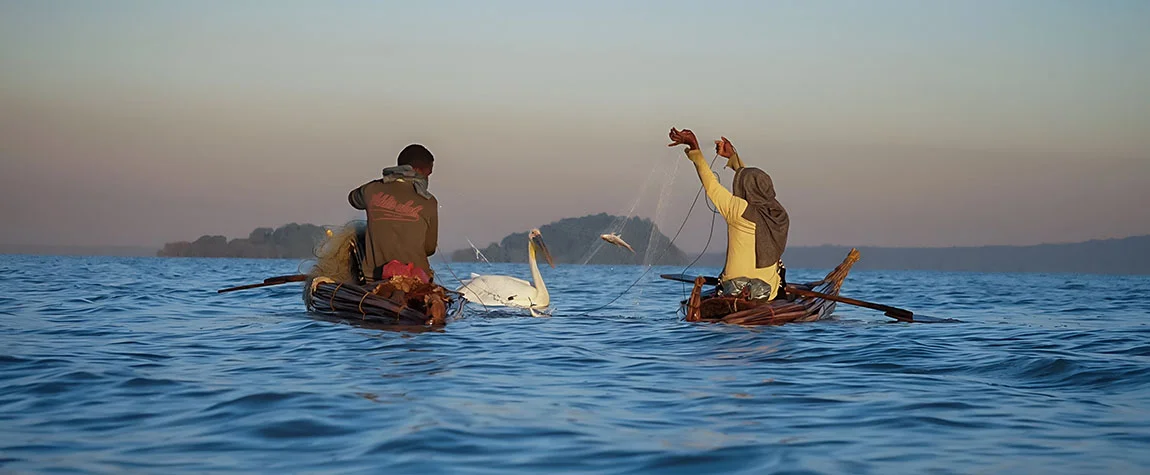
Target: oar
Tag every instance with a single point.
(282, 279)
(900, 314)
(896, 313)
(690, 279)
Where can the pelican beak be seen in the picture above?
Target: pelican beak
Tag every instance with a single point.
(538, 240)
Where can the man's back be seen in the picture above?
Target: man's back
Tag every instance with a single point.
(402, 225)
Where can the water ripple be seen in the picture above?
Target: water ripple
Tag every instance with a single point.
(137, 365)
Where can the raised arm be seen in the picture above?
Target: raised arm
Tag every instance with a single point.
(727, 204)
(725, 149)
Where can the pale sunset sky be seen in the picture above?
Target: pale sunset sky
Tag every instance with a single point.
(889, 123)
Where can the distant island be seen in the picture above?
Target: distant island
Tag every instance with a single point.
(572, 240)
(576, 241)
(52, 250)
(290, 241)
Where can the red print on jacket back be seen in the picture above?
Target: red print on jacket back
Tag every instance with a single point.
(386, 208)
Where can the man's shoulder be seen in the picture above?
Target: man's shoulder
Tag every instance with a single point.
(430, 203)
(380, 185)
(398, 189)
(371, 184)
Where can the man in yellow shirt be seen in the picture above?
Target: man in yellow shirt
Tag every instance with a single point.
(757, 224)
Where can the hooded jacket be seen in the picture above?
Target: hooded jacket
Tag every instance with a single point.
(402, 220)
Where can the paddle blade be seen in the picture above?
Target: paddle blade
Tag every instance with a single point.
(926, 319)
(901, 315)
(909, 317)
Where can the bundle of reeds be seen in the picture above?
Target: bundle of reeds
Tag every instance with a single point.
(397, 301)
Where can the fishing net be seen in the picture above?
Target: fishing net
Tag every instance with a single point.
(619, 223)
(333, 255)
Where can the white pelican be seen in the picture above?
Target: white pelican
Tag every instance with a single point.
(507, 291)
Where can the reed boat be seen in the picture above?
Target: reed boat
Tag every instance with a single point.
(335, 288)
(801, 302)
(397, 301)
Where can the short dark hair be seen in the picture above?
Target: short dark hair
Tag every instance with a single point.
(415, 155)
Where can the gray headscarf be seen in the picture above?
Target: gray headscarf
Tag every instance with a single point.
(771, 221)
(407, 174)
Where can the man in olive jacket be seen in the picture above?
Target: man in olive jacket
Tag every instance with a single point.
(402, 216)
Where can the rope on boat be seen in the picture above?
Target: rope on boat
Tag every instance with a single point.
(331, 303)
(361, 299)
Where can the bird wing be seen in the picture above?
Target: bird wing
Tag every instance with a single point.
(498, 290)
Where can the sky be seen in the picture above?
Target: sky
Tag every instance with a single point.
(884, 123)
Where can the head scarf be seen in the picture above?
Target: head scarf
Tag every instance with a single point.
(771, 221)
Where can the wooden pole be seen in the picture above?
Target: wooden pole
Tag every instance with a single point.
(270, 281)
(896, 313)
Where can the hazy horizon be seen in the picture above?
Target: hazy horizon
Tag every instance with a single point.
(135, 123)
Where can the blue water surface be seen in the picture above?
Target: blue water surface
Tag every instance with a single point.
(138, 365)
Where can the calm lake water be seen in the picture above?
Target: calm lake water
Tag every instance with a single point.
(137, 365)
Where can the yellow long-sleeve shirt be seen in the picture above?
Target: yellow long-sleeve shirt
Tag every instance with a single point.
(740, 231)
